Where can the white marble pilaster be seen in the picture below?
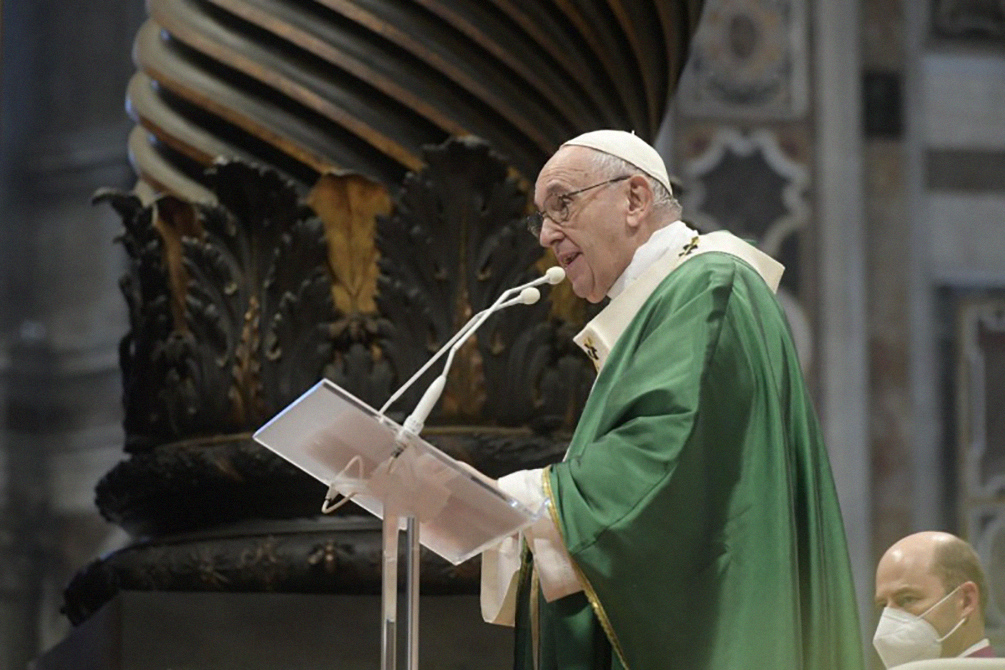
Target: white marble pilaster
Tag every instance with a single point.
(840, 229)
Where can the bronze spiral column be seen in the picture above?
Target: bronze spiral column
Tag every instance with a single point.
(362, 85)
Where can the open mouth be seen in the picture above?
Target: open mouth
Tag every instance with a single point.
(565, 260)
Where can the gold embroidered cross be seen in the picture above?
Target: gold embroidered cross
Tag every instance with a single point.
(690, 246)
(591, 349)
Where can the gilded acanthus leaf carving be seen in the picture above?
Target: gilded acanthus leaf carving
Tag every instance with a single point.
(349, 205)
(454, 243)
(230, 305)
(176, 219)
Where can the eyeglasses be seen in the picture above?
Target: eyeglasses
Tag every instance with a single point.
(556, 206)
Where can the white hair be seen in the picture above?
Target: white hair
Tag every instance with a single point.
(609, 166)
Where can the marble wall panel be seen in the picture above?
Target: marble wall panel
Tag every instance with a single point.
(981, 21)
(980, 444)
(890, 418)
(962, 99)
(966, 236)
(749, 60)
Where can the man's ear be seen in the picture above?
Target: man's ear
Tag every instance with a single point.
(640, 200)
(971, 599)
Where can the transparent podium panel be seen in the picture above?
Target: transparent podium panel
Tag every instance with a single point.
(342, 442)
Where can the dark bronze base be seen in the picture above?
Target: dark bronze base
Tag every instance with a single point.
(141, 630)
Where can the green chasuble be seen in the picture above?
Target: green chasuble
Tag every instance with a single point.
(696, 499)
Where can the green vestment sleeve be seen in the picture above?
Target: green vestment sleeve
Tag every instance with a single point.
(696, 499)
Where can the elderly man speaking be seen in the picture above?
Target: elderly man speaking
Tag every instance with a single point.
(694, 522)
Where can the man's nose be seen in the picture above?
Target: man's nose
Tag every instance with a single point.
(550, 233)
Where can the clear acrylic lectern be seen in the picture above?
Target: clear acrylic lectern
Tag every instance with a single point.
(451, 508)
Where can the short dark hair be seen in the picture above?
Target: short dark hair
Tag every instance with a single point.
(955, 562)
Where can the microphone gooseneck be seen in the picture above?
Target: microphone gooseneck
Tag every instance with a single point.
(525, 294)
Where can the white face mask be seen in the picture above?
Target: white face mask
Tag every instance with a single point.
(902, 637)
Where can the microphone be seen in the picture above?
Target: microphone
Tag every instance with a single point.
(554, 275)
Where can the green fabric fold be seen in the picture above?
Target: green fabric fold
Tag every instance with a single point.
(696, 498)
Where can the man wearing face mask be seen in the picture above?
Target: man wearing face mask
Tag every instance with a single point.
(933, 592)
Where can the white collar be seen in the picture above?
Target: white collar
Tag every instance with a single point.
(598, 336)
(673, 236)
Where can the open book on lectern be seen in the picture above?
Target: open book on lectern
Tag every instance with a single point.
(343, 442)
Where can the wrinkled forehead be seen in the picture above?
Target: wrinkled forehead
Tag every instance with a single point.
(570, 168)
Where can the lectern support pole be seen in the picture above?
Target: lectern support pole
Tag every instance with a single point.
(389, 593)
(412, 594)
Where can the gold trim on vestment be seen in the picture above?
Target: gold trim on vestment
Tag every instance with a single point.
(535, 617)
(599, 337)
(591, 595)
